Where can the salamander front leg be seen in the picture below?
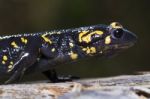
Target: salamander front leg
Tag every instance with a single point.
(53, 77)
(19, 67)
(17, 75)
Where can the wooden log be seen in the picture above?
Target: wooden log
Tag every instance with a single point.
(120, 87)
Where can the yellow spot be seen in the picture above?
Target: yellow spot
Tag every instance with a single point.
(90, 50)
(14, 44)
(107, 40)
(3, 62)
(9, 69)
(11, 63)
(10, 66)
(73, 55)
(87, 50)
(46, 39)
(84, 49)
(87, 38)
(93, 50)
(58, 32)
(24, 40)
(71, 44)
(53, 49)
(5, 58)
(116, 25)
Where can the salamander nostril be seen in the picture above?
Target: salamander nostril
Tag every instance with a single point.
(118, 33)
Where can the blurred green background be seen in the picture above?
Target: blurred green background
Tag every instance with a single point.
(19, 16)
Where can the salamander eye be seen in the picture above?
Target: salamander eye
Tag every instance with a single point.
(118, 33)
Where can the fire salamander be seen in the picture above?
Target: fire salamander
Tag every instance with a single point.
(32, 52)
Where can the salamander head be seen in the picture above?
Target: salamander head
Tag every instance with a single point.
(105, 40)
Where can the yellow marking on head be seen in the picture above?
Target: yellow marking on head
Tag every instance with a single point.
(98, 32)
(107, 40)
(46, 39)
(3, 62)
(24, 40)
(81, 34)
(14, 44)
(116, 25)
(87, 38)
(5, 58)
(71, 45)
(73, 55)
(53, 49)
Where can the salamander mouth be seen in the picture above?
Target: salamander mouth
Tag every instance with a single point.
(115, 48)
(123, 46)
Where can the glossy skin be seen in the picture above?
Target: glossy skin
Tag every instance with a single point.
(42, 51)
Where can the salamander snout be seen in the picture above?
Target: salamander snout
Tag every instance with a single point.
(129, 37)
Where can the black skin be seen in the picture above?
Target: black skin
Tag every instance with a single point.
(41, 52)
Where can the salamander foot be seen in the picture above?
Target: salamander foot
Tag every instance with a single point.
(53, 77)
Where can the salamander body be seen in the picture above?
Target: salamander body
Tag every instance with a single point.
(41, 51)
